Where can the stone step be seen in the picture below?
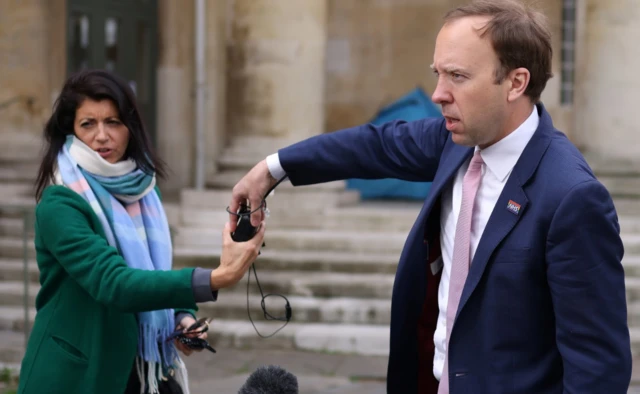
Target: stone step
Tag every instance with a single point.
(12, 318)
(343, 310)
(631, 264)
(173, 212)
(13, 270)
(319, 284)
(277, 260)
(339, 338)
(287, 283)
(319, 240)
(621, 185)
(365, 339)
(11, 227)
(226, 180)
(629, 224)
(321, 337)
(302, 240)
(631, 243)
(18, 171)
(11, 347)
(13, 188)
(13, 248)
(632, 286)
(284, 201)
(634, 333)
(364, 216)
(21, 146)
(15, 206)
(633, 314)
(338, 218)
(627, 206)
(12, 293)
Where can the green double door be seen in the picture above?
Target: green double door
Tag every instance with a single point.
(120, 36)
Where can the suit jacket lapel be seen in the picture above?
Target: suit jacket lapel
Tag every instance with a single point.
(511, 205)
(453, 160)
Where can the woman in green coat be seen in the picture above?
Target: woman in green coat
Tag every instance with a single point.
(109, 298)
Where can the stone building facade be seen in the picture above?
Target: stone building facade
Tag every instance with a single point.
(277, 71)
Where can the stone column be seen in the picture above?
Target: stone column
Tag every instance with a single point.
(216, 66)
(175, 101)
(30, 73)
(607, 87)
(277, 69)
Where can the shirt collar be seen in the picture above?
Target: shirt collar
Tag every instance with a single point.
(502, 156)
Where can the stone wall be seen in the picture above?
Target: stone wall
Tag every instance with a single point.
(287, 70)
(607, 127)
(32, 48)
(378, 50)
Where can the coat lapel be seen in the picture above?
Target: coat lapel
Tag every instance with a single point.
(453, 160)
(511, 205)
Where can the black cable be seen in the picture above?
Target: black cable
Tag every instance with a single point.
(267, 315)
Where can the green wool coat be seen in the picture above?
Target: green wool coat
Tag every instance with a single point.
(85, 334)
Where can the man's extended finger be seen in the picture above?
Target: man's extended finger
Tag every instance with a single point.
(256, 205)
(259, 237)
(234, 205)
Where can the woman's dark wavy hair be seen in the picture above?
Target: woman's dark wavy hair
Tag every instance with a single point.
(96, 85)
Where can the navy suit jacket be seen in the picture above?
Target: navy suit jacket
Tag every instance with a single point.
(543, 309)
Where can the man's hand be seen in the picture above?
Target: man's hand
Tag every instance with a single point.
(252, 187)
(186, 322)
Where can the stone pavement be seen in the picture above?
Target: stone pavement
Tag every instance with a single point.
(318, 373)
(226, 371)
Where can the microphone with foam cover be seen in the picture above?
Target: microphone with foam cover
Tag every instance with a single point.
(270, 380)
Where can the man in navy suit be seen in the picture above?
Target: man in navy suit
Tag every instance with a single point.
(517, 243)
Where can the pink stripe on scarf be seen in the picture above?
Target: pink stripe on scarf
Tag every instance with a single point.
(80, 186)
(134, 209)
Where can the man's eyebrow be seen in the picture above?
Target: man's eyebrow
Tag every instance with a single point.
(449, 68)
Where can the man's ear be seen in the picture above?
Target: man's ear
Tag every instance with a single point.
(518, 81)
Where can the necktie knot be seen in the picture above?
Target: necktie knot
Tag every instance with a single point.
(476, 162)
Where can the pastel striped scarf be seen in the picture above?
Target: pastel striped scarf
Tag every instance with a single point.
(134, 221)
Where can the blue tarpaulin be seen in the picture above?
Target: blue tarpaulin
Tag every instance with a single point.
(413, 106)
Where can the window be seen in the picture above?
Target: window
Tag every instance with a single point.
(79, 48)
(568, 51)
(111, 43)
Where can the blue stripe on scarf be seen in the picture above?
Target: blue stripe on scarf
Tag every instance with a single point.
(142, 240)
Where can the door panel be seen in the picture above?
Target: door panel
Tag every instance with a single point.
(120, 36)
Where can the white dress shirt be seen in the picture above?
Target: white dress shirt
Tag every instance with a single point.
(499, 159)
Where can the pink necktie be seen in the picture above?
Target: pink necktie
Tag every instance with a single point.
(461, 254)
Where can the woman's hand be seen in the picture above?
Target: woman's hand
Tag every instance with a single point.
(236, 258)
(186, 322)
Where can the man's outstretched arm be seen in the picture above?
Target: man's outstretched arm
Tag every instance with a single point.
(409, 151)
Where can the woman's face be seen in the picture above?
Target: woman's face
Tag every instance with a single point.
(98, 125)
